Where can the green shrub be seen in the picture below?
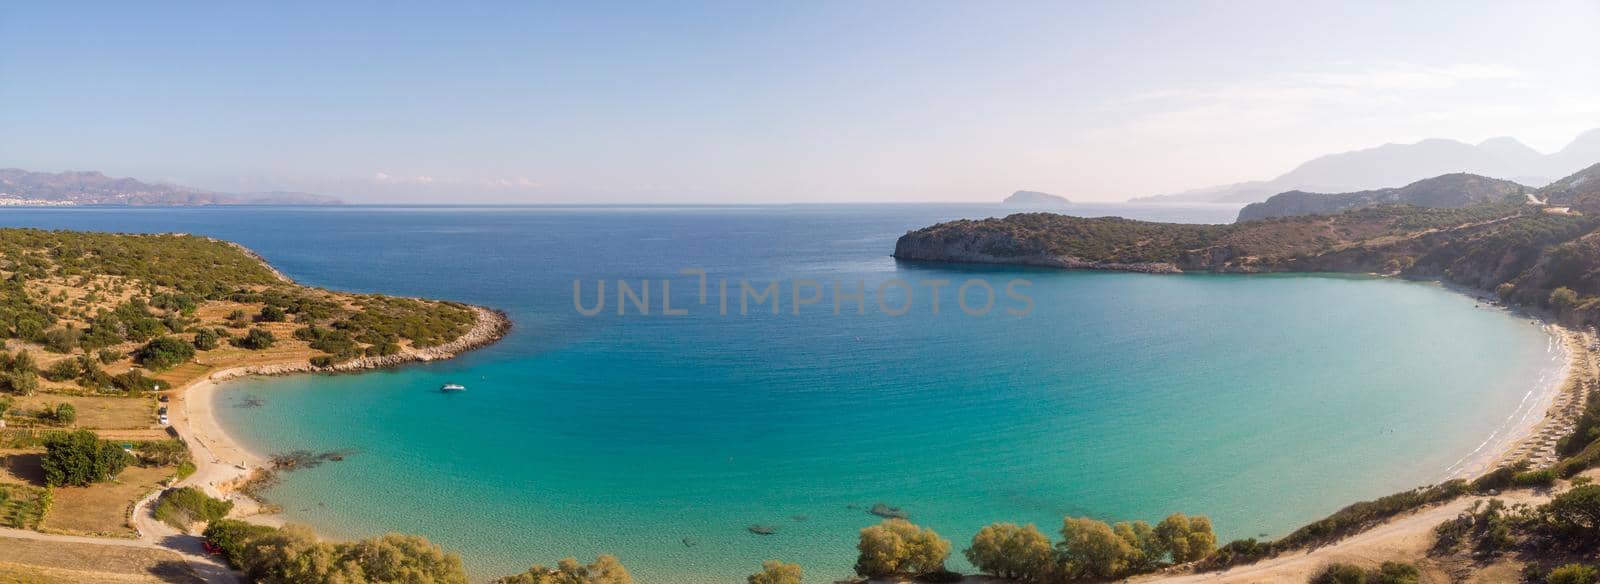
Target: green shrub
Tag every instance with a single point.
(604, 570)
(186, 506)
(1572, 574)
(232, 535)
(64, 414)
(270, 313)
(164, 353)
(775, 572)
(256, 340)
(133, 382)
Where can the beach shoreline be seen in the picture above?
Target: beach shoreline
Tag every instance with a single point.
(223, 464)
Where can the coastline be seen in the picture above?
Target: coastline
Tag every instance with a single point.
(222, 464)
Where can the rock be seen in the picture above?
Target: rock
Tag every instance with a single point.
(762, 529)
(884, 510)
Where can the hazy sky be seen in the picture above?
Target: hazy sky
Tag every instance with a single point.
(769, 101)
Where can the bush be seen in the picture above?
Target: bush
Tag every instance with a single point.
(164, 353)
(605, 570)
(133, 382)
(63, 370)
(162, 452)
(64, 414)
(232, 535)
(896, 546)
(109, 356)
(256, 340)
(1571, 574)
(1337, 573)
(186, 506)
(80, 458)
(1573, 517)
(776, 572)
(61, 340)
(293, 554)
(271, 314)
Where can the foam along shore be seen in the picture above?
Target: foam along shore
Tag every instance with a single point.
(222, 464)
(1548, 407)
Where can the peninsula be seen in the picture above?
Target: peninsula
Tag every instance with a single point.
(112, 341)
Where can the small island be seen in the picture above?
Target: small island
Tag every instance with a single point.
(1035, 199)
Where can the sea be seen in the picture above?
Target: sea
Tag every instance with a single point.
(681, 377)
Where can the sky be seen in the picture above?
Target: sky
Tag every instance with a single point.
(771, 102)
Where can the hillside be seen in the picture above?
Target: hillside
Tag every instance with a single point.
(93, 304)
(1451, 190)
(1398, 164)
(1522, 250)
(22, 187)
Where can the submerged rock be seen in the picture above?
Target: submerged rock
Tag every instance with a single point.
(762, 529)
(884, 510)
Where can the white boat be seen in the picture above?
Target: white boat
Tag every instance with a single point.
(452, 387)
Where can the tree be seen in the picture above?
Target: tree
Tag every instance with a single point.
(776, 572)
(1571, 574)
(256, 340)
(1187, 539)
(897, 546)
(1089, 549)
(80, 458)
(164, 353)
(605, 570)
(1563, 298)
(1009, 551)
(205, 339)
(1148, 551)
(232, 535)
(404, 558)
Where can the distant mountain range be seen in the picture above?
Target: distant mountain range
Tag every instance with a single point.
(1448, 191)
(1400, 164)
(22, 187)
(1035, 199)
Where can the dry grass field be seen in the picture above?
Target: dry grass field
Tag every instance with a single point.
(35, 562)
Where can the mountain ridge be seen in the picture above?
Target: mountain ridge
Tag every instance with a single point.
(1446, 191)
(1397, 164)
(88, 187)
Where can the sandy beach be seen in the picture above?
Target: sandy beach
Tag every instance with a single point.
(222, 464)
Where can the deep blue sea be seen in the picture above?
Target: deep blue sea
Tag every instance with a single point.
(1262, 401)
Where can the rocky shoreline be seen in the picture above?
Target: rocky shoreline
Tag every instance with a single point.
(491, 326)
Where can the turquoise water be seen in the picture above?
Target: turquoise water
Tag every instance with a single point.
(1262, 401)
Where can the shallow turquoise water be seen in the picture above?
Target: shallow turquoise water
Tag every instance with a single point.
(1262, 401)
